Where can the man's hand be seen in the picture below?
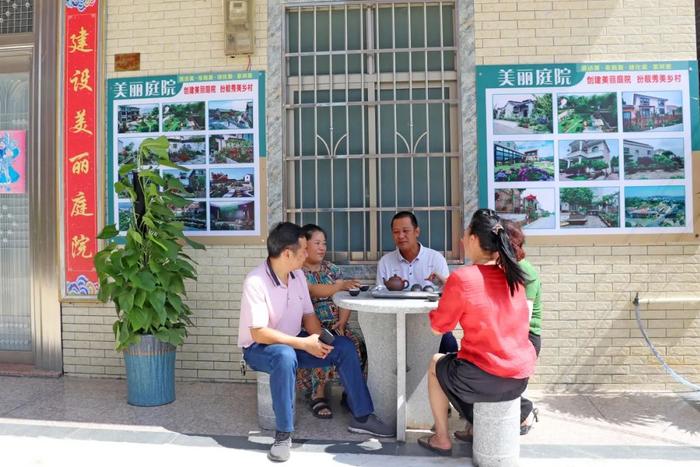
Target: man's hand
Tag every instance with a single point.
(347, 284)
(315, 347)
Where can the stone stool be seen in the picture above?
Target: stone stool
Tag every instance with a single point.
(266, 416)
(496, 434)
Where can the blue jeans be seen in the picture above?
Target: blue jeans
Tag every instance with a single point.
(281, 362)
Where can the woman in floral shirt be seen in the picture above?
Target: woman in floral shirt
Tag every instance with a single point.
(325, 279)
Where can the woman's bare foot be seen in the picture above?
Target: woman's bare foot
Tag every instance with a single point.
(443, 442)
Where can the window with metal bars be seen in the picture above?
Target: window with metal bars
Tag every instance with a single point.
(371, 123)
(16, 16)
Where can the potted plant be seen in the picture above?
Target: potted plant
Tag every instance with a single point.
(144, 277)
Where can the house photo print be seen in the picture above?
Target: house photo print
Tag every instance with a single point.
(602, 148)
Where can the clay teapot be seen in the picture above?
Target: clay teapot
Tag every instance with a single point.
(395, 282)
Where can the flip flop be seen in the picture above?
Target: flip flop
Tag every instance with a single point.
(526, 427)
(464, 435)
(425, 442)
(317, 405)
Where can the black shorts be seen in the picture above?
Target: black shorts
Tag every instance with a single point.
(465, 383)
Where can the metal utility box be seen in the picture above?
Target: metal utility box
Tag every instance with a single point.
(239, 31)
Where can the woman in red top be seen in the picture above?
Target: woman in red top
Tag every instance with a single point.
(488, 300)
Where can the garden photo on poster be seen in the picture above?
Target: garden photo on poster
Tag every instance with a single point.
(523, 161)
(531, 208)
(589, 208)
(124, 215)
(194, 181)
(186, 150)
(594, 159)
(186, 116)
(228, 115)
(654, 159)
(232, 215)
(520, 114)
(231, 149)
(128, 149)
(231, 183)
(587, 113)
(142, 118)
(652, 111)
(194, 216)
(655, 206)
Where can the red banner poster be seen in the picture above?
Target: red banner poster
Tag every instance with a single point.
(80, 87)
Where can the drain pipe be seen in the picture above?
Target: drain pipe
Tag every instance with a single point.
(637, 301)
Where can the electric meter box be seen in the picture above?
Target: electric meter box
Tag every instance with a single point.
(239, 31)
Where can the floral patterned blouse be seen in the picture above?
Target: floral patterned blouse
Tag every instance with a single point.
(325, 309)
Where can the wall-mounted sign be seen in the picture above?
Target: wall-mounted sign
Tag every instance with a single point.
(215, 126)
(595, 148)
(80, 130)
(127, 62)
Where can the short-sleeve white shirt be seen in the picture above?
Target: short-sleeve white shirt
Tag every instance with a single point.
(417, 271)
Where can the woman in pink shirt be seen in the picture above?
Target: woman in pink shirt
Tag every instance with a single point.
(488, 300)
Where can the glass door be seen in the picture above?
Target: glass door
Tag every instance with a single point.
(15, 278)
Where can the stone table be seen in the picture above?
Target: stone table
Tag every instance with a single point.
(398, 336)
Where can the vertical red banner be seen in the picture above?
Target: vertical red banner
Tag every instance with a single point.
(80, 127)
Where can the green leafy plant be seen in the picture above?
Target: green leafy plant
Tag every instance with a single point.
(144, 277)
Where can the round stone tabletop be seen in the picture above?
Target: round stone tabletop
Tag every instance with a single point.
(366, 303)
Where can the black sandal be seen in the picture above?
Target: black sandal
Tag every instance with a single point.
(525, 429)
(425, 442)
(317, 405)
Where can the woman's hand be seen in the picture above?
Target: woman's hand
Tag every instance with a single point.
(339, 328)
(347, 284)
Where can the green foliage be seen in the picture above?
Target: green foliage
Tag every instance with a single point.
(572, 123)
(615, 163)
(144, 278)
(543, 105)
(577, 197)
(184, 116)
(598, 164)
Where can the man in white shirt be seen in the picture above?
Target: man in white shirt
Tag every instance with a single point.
(415, 263)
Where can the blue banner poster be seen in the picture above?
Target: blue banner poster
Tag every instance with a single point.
(596, 148)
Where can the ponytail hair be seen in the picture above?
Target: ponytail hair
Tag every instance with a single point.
(494, 238)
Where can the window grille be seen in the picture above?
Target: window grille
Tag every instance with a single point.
(16, 16)
(371, 123)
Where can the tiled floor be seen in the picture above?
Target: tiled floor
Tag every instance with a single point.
(637, 427)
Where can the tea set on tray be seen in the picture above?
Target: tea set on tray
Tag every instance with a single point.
(396, 284)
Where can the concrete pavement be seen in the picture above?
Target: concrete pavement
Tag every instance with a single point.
(81, 422)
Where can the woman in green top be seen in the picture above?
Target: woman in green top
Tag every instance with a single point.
(533, 293)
